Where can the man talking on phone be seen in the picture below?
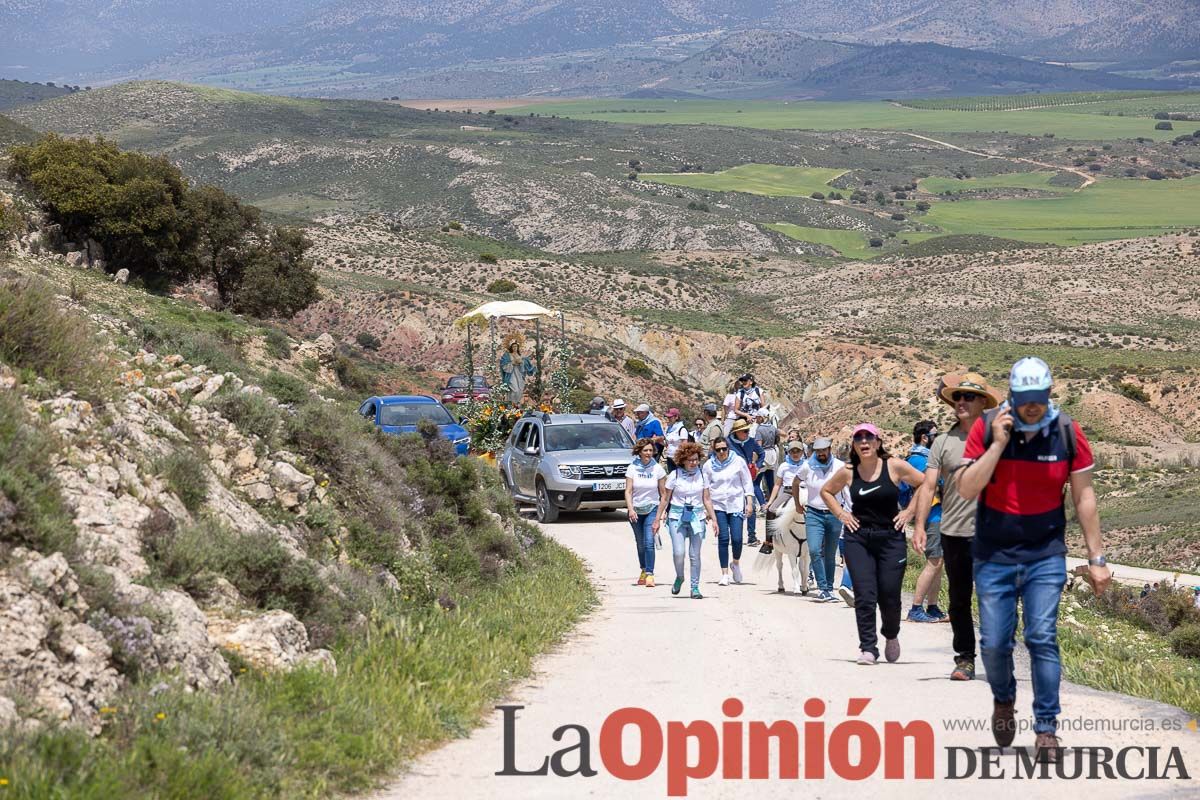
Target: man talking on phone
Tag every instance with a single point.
(1016, 462)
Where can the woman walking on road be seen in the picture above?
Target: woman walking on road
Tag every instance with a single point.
(876, 551)
(686, 504)
(645, 487)
(732, 492)
(822, 527)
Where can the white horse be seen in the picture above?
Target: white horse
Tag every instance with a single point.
(790, 540)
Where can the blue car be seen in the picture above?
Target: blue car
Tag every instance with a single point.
(400, 414)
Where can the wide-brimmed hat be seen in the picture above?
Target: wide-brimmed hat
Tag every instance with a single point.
(618, 403)
(967, 382)
(740, 425)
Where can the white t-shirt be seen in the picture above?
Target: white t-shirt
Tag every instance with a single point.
(729, 486)
(645, 482)
(812, 480)
(785, 472)
(687, 491)
(676, 435)
(731, 401)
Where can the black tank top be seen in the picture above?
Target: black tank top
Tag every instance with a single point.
(877, 502)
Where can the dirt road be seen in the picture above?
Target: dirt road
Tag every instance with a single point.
(681, 658)
(1088, 179)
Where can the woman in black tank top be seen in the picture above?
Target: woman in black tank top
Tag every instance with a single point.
(874, 544)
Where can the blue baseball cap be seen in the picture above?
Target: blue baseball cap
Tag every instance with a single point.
(1030, 382)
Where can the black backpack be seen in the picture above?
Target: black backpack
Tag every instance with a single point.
(1066, 429)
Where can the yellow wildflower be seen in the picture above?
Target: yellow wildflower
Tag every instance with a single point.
(159, 717)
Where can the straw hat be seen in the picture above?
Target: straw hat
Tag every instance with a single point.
(740, 425)
(967, 382)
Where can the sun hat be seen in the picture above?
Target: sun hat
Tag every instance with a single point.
(967, 382)
(822, 442)
(672, 412)
(641, 408)
(762, 412)
(618, 403)
(795, 445)
(867, 428)
(1030, 381)
(740, 425)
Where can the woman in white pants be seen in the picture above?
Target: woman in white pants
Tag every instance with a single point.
(687, 494)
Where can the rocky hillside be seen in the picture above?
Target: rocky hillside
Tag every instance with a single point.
(185, 498)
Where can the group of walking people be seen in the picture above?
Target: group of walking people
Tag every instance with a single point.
(985, 500)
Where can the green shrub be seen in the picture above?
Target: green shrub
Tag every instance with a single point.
(1133, 392)
(1163, 126)
(278, 344)
(1185, 640)
(217, 350)
(186, 476)
(501, 286)
(488, 258)
(638, 367)
(269, 576)
(188, 558)
(285, 388)
(32, 512)
(368, 341)
(454, 225)
(278, 279)
(12, 225)
(353, 375)
(252, 414)
(36, 335)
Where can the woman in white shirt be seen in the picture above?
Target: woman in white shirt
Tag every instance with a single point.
(821, 523)
(677, 433)
(730, 406)
(645, 486)
(732, 491)
(686, 495)
(781, 494)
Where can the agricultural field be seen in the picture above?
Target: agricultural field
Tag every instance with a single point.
(1030, 101)
(765, 179)
(853, 115)
(1039, 181)
(850, 244)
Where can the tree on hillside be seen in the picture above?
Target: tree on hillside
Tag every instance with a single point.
(278, 278)
(225, 230)
(130, 203)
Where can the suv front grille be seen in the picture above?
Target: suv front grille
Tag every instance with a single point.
(604, 470)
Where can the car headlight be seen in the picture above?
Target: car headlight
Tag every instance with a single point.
(575, 473)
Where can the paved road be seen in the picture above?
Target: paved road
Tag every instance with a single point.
(681, 658)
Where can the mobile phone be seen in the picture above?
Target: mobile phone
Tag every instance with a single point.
(1006, 406)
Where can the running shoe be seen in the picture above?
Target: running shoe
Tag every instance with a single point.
(865, 658)
(736, 569)
(753, 542)
(824, 597)
(935, 614)
(847, 595)
(917, 614)
(724, 579)
(891, 650)
(696, 593)
(642, 579)
(964, 669)
(650, 581)
(676, 586)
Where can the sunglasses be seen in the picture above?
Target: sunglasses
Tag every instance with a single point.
(720, 449)
(960, 396)
(865, 437)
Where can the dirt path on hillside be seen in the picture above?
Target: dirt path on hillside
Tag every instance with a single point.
(681, 658)
(1088, 180)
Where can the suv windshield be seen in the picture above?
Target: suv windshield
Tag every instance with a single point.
(411, 413)
(586, 437)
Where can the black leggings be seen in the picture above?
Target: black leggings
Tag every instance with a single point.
(876, 559)
(960, 577)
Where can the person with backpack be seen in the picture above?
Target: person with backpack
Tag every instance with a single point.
(929, 582)
(750, 398)
(875, 546)
(1018, 460)
(767, 435)
(752, 453)
(969, 395)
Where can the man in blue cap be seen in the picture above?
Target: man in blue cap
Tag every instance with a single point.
(1016, 462)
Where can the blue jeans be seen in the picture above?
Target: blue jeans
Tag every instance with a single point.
(729, 527)
(822, 529)
(1039, 586)
(643, 537)
(849, 584)
(759, 500)
(685, 541)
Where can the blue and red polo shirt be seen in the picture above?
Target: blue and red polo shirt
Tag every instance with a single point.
(1021, 515)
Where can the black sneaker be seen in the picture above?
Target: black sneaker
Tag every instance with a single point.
(1004, 723)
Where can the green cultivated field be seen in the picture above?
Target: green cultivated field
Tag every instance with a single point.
(851, 244)
(856, 115)
(765, 179)
(1011, 180)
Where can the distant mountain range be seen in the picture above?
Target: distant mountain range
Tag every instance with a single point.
(368, 47)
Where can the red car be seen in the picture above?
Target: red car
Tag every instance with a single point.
(459, 387)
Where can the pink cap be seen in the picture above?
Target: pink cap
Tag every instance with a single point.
(868, 427)
(672, 412)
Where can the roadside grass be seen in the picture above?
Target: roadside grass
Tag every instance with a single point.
(771, 180)
(414, 682)
(851, 115)
(1102, 651)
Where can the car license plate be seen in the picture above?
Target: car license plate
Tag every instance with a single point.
(608, 486)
